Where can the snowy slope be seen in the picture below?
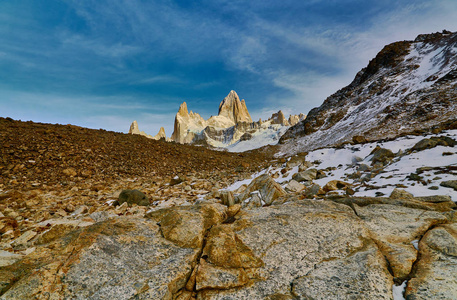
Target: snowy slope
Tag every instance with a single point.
(407, 86)
(266, 135)
(341, 163)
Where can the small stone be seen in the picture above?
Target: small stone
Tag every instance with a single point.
(70, 172)
(313, 190)
(356, 159)
(176, 180)
(415, 177)
(7, 224)
(233, 210)
(400, 194)
(122, 209)
(8, 258)
(358, 139)
(81, 210)
(363, 168)
(381, 155)
(101, 216)
(24, 238)
(61, 213)
(69, 208)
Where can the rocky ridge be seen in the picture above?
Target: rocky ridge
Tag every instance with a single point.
(408, 86)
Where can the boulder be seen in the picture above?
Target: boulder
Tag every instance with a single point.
(307, 175)
(381, 155)
(450, 184)
(433, 142)
(294, 186)
(133, 197)
(121, 258)
(269, 190)
(334, 185)
(186, 225)
(364, 272)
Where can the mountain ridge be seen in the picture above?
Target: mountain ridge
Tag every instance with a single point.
(232, 128)
(408, 85)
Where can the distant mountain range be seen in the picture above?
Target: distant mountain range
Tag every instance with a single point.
(232, 128)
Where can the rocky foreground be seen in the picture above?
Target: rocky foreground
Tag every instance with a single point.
(70, 230)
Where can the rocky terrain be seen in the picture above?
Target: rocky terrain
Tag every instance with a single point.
(232, 129)
(408, 86)
(157, 220)
(93, 214)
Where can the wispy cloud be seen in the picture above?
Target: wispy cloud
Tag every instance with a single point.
(160, 79)
(99, 48)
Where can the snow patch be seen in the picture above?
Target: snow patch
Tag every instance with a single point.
(399, 290)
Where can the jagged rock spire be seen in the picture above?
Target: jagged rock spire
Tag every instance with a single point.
(134, 128)
(234, 109)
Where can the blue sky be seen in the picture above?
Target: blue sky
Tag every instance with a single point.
(103, 64)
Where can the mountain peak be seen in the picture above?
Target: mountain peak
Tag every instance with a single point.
(234, 109)
(183, 109)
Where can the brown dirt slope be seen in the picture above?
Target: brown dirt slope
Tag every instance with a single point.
(51, 154)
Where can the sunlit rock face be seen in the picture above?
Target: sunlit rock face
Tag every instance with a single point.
(232, 125)
(134, 129)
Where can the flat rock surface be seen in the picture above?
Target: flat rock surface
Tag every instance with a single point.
(296, 241)
(116, 259)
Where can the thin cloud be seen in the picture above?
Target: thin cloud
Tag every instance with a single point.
(99, 48)
(160, 79)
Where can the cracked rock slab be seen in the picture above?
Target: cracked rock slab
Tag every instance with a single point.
(394, 228)
(435, 274)
(295, 238)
